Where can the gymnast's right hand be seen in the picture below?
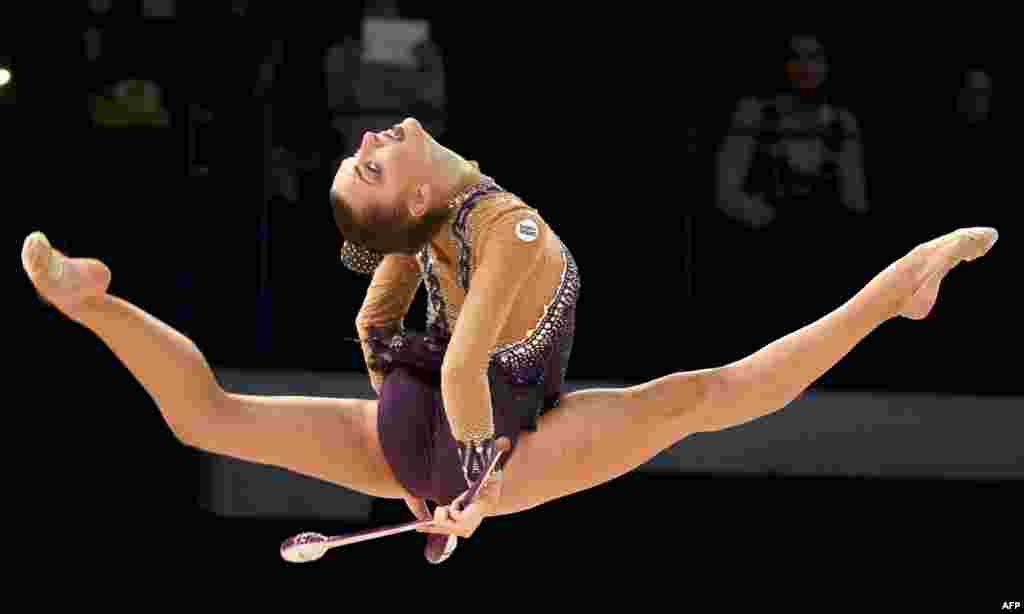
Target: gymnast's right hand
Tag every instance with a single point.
(439, 547)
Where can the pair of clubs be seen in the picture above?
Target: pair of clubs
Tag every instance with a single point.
(307, 547)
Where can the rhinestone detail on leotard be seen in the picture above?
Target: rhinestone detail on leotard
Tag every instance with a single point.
(462, 237)
(437, 306)
(523, 358)
(439, 316)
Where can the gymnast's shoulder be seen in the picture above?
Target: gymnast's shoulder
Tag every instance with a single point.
(508, 218)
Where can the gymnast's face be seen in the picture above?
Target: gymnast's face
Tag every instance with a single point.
(387, 174)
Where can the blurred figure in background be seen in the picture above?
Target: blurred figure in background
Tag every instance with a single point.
(393, 70)
(793, 154)
(789, 175)
(962, 161)
(972, 166)
(975, 98)
(976, 160)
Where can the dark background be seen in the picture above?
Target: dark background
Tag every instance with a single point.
(587, 119)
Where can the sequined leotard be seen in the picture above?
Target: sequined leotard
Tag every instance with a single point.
(502, 291)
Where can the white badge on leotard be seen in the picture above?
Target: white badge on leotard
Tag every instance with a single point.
(527, 230)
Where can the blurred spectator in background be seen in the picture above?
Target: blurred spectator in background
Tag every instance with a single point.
(789, 177)
(975, 156)
(793, 153)
(972, 179)
(962, 166)
(974, 100)
(285, 168)
(132, 102)
(394, 71)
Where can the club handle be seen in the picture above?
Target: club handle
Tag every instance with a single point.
(368, 534)
(473, 490)
(361, 536)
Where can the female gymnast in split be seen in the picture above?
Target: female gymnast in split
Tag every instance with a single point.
(487, 373)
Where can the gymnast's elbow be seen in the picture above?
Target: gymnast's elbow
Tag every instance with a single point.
(459, 372)
(463, 375)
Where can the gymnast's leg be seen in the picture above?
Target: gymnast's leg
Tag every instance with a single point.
(597, 435)
(330, 439)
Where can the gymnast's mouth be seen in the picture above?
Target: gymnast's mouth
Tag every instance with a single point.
(395, 133)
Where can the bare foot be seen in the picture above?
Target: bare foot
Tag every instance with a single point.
(61, 281)
(945, 253)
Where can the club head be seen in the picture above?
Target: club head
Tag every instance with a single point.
(440, 547)
(304, 548)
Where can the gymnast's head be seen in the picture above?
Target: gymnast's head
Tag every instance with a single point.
(389, 196)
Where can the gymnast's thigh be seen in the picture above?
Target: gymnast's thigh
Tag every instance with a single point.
(592, 437)
(334, 440)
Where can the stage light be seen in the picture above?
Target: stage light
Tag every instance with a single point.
(5, 76)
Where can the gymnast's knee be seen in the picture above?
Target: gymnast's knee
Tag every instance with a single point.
(732, 396)
(191, 419)
(674, 396)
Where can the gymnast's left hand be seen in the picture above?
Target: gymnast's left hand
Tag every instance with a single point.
(449, 520)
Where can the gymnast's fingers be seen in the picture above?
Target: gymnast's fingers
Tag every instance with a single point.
(468, 520)
(442, 525)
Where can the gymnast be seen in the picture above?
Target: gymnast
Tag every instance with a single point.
(487, 373)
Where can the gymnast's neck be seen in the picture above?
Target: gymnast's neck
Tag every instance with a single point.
(455, 173)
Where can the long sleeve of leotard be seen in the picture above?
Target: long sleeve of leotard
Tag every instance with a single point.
(388, 298)
(507, 245)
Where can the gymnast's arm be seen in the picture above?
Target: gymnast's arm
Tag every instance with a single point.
(391, 292)
(503, 264)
